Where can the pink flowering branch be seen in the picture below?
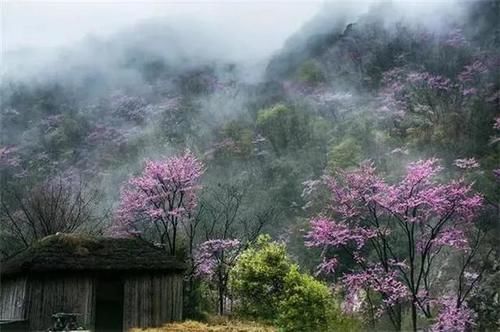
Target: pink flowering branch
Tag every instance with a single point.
(213, 260)
(370, 215)
(452, 317)
(213, 255)
(163, 196)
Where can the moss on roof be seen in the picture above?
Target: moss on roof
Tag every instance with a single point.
(66, 252)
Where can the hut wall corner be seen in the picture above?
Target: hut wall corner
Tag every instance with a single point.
(152, 300)
(13, 298)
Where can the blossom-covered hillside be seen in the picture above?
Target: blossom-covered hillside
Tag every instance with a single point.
(349, 182)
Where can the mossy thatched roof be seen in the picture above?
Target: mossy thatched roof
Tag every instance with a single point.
(65, 252)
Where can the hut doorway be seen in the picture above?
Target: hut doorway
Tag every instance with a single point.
(109, 305)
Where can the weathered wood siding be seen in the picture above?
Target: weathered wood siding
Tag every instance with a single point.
(51, 294)
(152, 300)
(149, 300)
(12, 299)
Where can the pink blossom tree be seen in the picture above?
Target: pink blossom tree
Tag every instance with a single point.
(395, 232)
(214, 259)
(226, 230)
(155, 203)
(440, 109)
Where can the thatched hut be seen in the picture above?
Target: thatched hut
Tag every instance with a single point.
(113, 284)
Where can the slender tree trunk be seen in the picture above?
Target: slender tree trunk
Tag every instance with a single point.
(220, 289)
(414, 315)
(397, 317)
(174, 235)
(221, 300)
(372, 312)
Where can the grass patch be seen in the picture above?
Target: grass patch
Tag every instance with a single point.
(213, 325)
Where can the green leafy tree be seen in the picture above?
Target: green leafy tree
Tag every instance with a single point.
(306, 304)
(285, 127)
(259, 277)
(345, 154)
(271, 287)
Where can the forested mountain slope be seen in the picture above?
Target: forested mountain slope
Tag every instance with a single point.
(347, 88)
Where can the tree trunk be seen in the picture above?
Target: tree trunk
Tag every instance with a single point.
(221, 301)
(397, 317)
(174, 235)
(414, 315)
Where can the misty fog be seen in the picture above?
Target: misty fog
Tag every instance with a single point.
(354, 144)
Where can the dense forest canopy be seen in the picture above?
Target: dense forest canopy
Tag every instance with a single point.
(367, 148)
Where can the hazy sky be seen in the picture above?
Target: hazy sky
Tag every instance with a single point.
(248, 29)
(48, 24)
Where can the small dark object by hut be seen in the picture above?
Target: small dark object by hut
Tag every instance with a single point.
(65, 322)
(112, 284)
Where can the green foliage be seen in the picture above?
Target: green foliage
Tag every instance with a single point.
(238, 140)
(486, 302)
(307, 126)
(271, 287)
(345, 154)
(60, 140)
(198, 300)
(284, 179)
(258, 278)
(306, 304)
(179, 133)
(285, 127)
(310, 72)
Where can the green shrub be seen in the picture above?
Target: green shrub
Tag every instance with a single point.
(270, 287)
(345, 154)
(259, 277)
(306, 304)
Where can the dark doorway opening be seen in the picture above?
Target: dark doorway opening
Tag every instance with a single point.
(109, 305)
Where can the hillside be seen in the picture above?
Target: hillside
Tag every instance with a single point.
(386, 86)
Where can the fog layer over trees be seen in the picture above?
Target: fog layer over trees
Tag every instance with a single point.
(347, 181)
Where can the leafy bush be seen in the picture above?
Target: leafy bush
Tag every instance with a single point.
(259, 276)
(345, 154)
(306, 304)
(270, 286)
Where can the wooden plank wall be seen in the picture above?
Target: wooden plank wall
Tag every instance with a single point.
(152, 300)
(13, 298)
(51, 294)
